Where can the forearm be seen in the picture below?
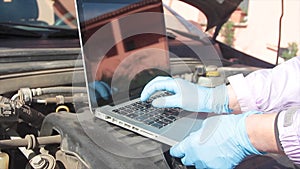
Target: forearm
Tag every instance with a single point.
(260, 129)
(233, 102)
(261, 133)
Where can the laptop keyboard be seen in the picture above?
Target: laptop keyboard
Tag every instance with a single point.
(144, 112)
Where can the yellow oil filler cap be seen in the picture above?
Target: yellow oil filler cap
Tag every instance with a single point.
(212, 71)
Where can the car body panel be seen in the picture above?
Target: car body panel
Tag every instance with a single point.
(216, 11)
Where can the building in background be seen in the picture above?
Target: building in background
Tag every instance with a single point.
(256, 26)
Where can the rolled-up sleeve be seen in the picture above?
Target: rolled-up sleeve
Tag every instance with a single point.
(269, 90)
(288, 125)
(272, 91)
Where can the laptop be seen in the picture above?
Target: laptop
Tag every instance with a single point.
(124, 46)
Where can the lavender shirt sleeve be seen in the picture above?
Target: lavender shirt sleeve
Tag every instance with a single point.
(269, 90)
(288, 124)
(272, 91)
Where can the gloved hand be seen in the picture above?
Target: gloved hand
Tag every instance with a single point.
(187, 95)
(99, 90)
(221, 142)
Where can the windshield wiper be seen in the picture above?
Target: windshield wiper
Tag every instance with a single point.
(64, 33)
(30, 30)
(186, 34)
(9, 30)
(204, 39)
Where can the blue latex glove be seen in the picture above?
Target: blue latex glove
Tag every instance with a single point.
(99, 90)
(221, 142)
(187, 95)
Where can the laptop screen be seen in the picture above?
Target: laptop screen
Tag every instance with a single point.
(124, 47)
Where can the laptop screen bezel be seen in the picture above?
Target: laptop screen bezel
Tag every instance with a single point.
(82, 26)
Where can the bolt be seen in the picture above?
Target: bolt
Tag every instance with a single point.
(37, 162)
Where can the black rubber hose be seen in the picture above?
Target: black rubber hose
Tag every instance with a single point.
(30, 115)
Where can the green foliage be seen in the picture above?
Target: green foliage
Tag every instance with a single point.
(291, 52)
(228, 33)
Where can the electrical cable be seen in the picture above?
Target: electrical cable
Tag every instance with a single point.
(279, 38)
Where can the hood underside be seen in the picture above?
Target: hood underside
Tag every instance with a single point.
(216, 11)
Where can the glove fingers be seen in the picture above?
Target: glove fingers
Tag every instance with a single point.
(179, 151)
(158, 84)
(185, 161)
(103, 90)
(176, 150)
(200, 165)
(168, 101)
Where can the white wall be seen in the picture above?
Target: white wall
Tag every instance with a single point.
(262, 26)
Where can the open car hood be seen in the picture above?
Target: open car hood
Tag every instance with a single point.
(217, 12)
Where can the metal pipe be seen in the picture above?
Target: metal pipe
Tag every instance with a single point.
(63, 90)
(30, 141)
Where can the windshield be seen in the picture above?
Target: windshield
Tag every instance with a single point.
(46, 13)
(43, 16)
(57, 14)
